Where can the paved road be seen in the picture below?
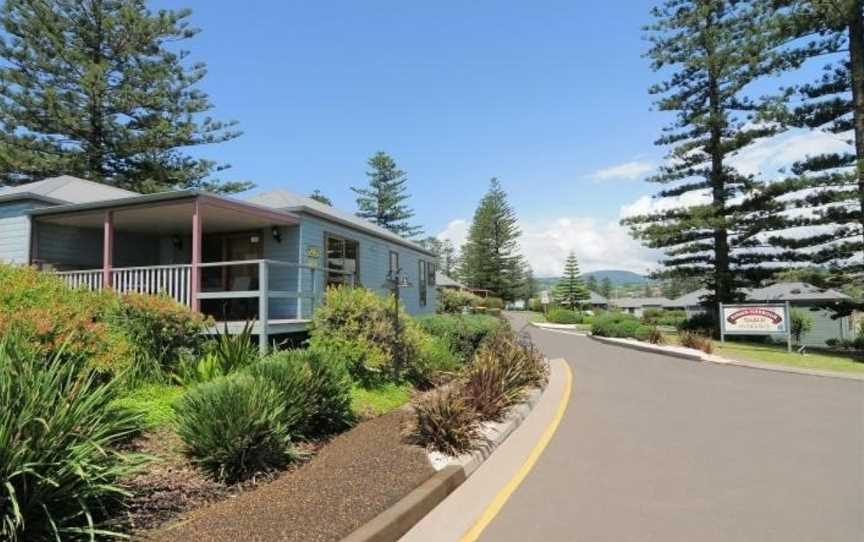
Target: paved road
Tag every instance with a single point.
(656, 448)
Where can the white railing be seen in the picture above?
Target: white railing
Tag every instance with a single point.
(173, 281)
(88, 279)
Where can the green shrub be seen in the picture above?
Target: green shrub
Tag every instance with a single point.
(288, 373)
(615, 324)
(235, 426)
(235, 350)
(663, 317)
(702, 322)
(558, 315)
(492, 302)
(160, 328)
(802, 324)
(535, 305)
(464, 333)
(357, 325)
(452, 301)
(434, 359)
(46, 314)
(133, 334)
(312, 384)
(444, 421)
(59, 436)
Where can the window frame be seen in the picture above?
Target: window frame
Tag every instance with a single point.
(422, 279)
(326, 267)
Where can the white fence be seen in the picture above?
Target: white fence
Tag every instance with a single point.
(171, 280)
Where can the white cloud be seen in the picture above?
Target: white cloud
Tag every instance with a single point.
(628, 171)
(767, 156)
(649, 205)
(456, 231)
(597, 245)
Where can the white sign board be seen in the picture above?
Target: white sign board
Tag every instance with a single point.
(768, 319)
(544, 298)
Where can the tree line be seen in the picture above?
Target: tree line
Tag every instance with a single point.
(746, 228)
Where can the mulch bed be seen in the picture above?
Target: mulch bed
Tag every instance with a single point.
(348, 482)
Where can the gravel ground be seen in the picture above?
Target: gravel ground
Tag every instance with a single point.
(351, 480)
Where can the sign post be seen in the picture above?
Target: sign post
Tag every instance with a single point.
(396, 281)
(771, 319)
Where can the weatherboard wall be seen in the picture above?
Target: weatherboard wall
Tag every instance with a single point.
(15, 230)
(373, 261)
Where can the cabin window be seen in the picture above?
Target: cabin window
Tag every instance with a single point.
(342, 260)
(433, 269)
(421, 282)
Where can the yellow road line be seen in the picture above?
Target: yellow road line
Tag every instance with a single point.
(504, 494)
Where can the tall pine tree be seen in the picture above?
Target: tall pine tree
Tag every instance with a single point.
(382, 201)
(713, 49)
(825, 194)
(90, 88)
(490, 257)
(571, 290)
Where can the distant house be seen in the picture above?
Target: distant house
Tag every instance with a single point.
(595, 301)
(445, 282)
(800, 295)
(266, 258)
(638, 305)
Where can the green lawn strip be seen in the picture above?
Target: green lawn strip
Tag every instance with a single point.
(154, 401)
(768, 353)
(777, 354)
(379, 400)
(536, 317)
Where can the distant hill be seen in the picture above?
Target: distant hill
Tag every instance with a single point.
(618, 278)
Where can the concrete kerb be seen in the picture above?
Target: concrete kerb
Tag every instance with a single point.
(568, 329)
(654, 349)
(391, 524)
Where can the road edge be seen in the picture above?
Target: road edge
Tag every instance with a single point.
(402, 516)
(711, 358)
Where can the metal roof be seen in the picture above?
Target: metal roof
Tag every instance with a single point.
(64, 189)
(780, 291)
(290, 201)
(639, 302)
(795, 291)
(445, 281)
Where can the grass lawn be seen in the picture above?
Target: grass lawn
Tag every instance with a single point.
(536, 317)
(372, 402)
(155, 401)
(776, 353)
(768, 353)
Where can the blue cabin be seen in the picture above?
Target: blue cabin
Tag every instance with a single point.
(267, 258)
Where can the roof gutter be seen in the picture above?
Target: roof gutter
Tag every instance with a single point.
(31, 196)
(166, 197)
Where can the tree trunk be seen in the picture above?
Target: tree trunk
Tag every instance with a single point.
(96, 139)
(722, 288)
(856, 58)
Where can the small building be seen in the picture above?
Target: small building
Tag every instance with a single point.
(445, 282)
(595, 301)
(638, 305)
(267, 258)
(800, 295)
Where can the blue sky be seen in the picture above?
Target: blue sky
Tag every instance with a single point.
(547, 96)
